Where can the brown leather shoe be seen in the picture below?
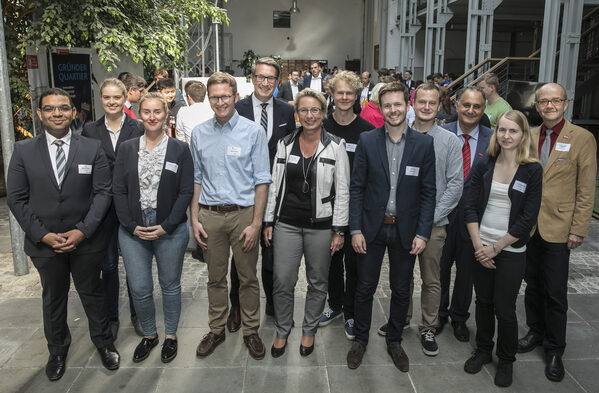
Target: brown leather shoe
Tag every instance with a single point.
(400, 359)
(255, 346)
(234, 319)
(209, 343)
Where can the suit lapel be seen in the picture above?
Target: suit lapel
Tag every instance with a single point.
(126, 132)
(72, 152)
(563, 137)
(105, 137)
(382, 147)
(44, 153)
(407, 153)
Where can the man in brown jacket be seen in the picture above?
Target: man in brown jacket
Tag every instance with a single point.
(568, 155)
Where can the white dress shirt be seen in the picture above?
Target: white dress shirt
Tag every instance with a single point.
(114, 135)
(257, 105)
(294, 89)
(52, 150)
(316, 83)
(189, 117)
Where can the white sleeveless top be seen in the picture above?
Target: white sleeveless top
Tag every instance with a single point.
(495, 222)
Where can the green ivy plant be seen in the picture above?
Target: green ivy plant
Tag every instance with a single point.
(154, 32)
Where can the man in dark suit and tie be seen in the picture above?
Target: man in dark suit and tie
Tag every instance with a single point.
(314, 80)
(392, 204)
(407, 79)
(290, 88)
(474, 138)
(277, 119)
(112, 130)
(58, 188)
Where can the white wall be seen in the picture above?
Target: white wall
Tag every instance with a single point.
(329, 30)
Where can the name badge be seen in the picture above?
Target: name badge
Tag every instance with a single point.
(85, 169)
(350, 147)
(293, 159)
(233, 151)
(412, 170)
(171, 166)
(559, 146)
(519, 186)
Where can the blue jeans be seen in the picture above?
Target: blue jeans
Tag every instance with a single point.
(169, 250)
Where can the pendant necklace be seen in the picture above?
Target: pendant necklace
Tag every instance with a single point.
(306, 171)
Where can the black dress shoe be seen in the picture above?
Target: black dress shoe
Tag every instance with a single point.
(114, 327)
(110, 357)
(278, 352)
(55, 367)
(442, 322)
(529, 342)
(400, 358)
(142, 351)
(305, 351)
(554, 369)
(460, 331)
(169, 350)
(137, 325)
(355, 355)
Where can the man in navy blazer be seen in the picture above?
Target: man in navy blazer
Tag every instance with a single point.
(58, 188)
(278, 119)
(392, 204)
(112, 95)
(317, 76)
(458, 247)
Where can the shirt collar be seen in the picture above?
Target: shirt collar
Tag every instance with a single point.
(144, 148)
(473, 134)
(66, 139)
(317, 77)
(256, 102)
(120, 126)
(128, 104)
(232, 121)
(556, 129)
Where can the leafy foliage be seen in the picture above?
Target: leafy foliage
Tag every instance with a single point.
(155, 32)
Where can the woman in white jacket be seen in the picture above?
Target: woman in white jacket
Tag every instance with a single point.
(307, 205)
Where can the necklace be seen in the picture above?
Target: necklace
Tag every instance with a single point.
(306, 171)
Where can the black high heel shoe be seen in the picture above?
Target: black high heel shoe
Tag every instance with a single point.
(278, 352)
(305, 351)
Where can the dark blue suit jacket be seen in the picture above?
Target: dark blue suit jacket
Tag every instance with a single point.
(308, 80)
(370, 186)
(283, 121)
(484, 136)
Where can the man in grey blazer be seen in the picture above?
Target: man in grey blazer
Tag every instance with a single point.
(58, 188)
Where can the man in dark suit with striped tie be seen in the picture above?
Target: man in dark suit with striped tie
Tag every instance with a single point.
(474, 138)
(277, 119)
(58, 188)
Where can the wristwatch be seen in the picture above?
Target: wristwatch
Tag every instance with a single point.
(340, 233)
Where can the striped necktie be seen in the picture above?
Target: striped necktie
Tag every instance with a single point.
(264, 117)
(60, 161)
(466, 155)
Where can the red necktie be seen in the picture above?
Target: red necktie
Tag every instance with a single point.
(466, 155)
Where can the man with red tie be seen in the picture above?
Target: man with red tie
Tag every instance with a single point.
(474, 138)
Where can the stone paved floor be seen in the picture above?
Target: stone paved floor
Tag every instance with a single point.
(230, 369)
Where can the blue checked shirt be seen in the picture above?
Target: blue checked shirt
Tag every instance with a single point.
(229, 160)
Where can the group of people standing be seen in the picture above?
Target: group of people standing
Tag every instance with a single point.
(336, 191)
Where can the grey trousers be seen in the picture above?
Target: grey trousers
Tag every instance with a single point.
(290, 243)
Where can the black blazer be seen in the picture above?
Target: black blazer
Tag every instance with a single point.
(283, 121)
(97, 130)
(308, 81)
(370, 186)
(525, 193)
(41, 207)
(175, 189)
(285, 92)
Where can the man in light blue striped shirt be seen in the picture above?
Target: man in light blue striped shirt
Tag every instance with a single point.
(231, 176)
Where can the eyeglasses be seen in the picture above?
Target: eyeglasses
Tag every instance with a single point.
(224, 99)
(51, 109)
(262, 78)
(304, 111)
(554, 101)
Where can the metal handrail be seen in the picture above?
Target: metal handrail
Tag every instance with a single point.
(500, 61)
